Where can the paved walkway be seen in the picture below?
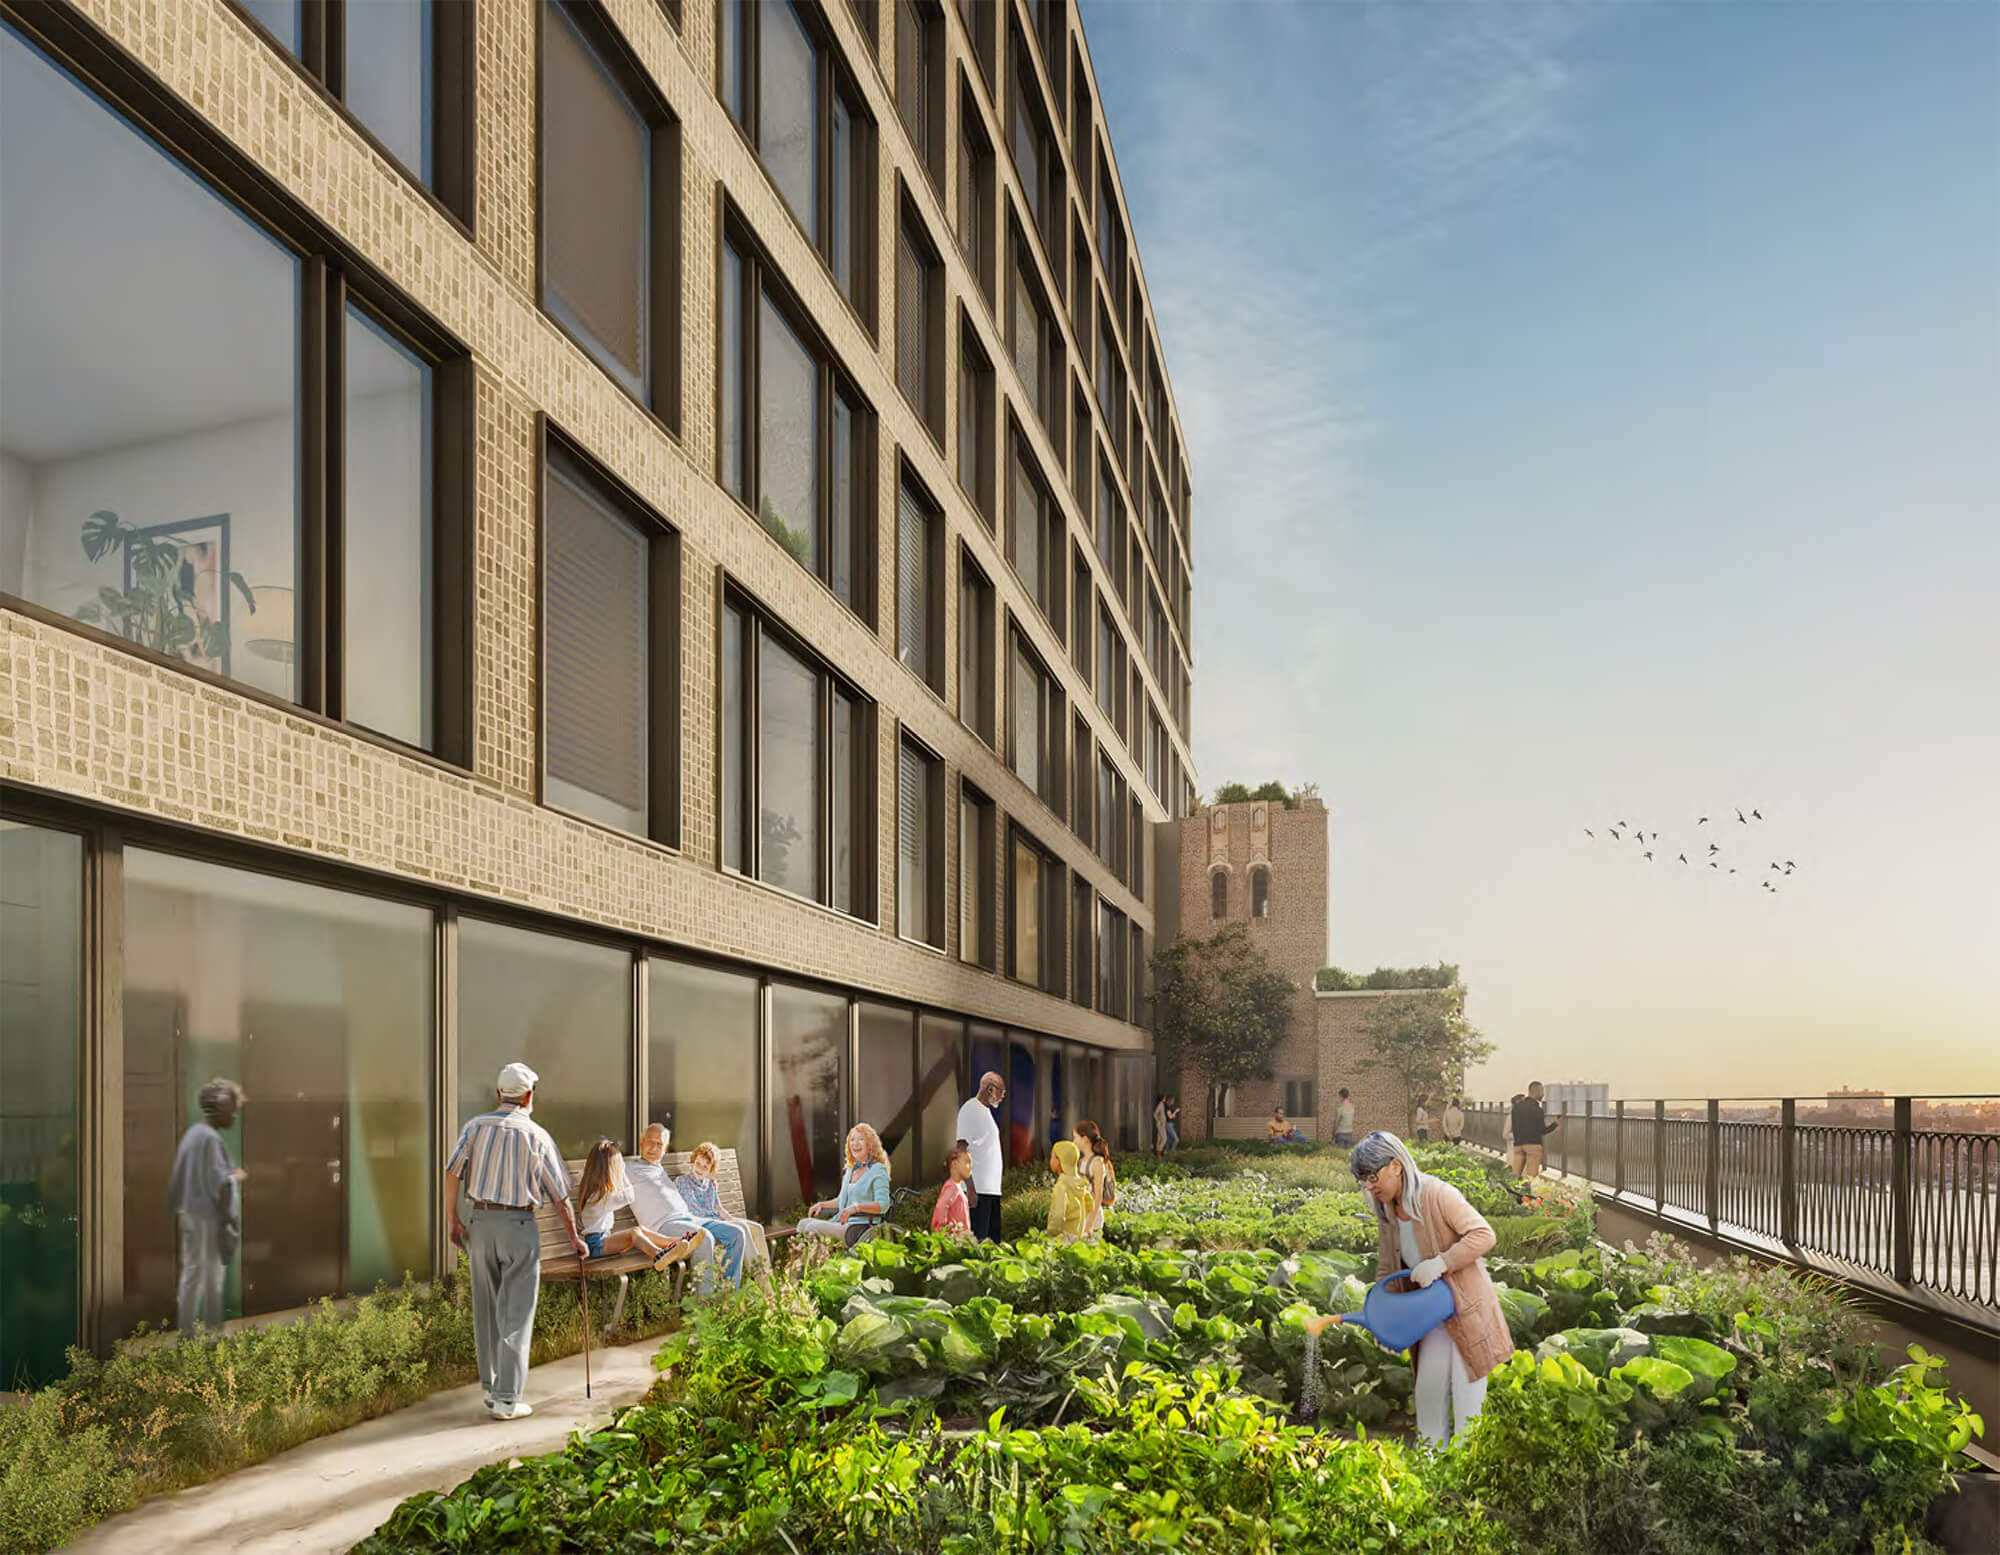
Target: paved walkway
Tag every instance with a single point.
(324, 1497)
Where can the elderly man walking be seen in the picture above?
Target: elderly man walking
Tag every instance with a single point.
(508, 1165)
(981, 1133)
(202, 1193)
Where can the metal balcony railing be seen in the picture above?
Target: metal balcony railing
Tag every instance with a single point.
(1892, 1187)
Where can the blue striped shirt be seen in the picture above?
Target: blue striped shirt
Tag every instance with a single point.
(505, 1157)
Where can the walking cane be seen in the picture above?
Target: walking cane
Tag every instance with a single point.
(583, 1284)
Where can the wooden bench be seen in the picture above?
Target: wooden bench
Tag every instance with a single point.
(560, 1261)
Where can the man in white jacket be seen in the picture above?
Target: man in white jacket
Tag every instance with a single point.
(981, 1133)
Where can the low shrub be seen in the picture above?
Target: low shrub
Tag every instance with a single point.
(162, 1413)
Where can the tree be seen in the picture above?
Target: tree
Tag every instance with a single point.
(1425, 1041)
(1272, 792)
(1219, 1006)
(1331, 979)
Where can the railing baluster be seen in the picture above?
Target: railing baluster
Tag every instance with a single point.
(1788, 1172)
(1900, 1190)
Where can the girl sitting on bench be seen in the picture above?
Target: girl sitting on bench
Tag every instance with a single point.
(604, 1191)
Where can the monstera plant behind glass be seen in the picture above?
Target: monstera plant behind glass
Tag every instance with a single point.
(158, 609)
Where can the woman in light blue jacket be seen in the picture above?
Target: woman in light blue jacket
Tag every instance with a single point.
(864, 1191)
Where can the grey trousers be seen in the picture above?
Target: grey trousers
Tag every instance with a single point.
(505, 1251)
(199, 1297)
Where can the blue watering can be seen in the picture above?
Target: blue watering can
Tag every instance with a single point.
(1398, 1319)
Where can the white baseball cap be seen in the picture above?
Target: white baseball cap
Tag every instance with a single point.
(515, 1080)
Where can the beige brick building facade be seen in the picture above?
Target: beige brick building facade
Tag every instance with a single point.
(960, 191)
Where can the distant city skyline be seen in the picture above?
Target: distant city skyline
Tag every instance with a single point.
(1591, 413)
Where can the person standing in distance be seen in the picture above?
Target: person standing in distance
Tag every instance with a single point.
(1343, 1121)
(202, 1193)
(508, 1165)
(1530, 1129)
(981, 1133)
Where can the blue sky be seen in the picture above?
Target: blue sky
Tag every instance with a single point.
(1595, 414)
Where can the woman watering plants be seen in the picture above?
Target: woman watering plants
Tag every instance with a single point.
(1427, 1227)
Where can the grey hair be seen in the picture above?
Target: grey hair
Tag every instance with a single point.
(220, 1096)
(1377, 1150)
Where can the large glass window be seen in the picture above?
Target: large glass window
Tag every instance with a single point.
(783, 83)
(599, 641)
(561, 1006)
(1035, 536)
(1021, 1108)
(701, 1059)
(1031, 339)
(920, 80)
(609, 202)
(1037, 156)
(1028, 874)
(974, 208)
(808, 1071)
(796, 761)
(320, 1004)
(940, 1089)
(1110, 960)
(1034, 726)
(920, 584)
(919, 844)
(41, 1034)
(797, 442)
(885, 1083)
(154, 438)
(1080, 919)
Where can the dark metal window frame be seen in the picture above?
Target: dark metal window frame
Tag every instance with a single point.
(1052, 530)
(933, 674)
(662, 301)
(983, 619)
(1049, 716)
(975, 158)
(925, 19)
(332, 276)
(663, 630)
(761, 280)
(975, 377)
(912, 229)
(1052, 902)
(747, 767)
(909, 746)
(322, 62)
(836, 77)
(985, 949)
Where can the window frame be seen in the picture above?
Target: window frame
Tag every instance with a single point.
(974, 166)
(1051, 537)
(1050, 899)
(925, 26)
(1044, 393)
(322, 62)
(932, 670)
(984, 619)
(984, 951)
(910, 748)
(661, 294)
(663, 637)
(833, 77)
(1049, 715)
(759, 622)
(832, 382)
(1045, 195)
(1260, 890)
(332, 276)
(913, 233)
(975, 377)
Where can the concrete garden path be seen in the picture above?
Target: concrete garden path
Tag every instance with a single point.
(328, 1495)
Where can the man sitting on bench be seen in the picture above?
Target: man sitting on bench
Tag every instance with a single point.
(658, 1206)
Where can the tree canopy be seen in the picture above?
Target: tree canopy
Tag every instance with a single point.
(1331, 979)
(1273, 792)
(1425, 1041)
(1219, 1006)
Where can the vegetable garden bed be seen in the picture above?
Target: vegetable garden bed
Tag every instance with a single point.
(923, 1395)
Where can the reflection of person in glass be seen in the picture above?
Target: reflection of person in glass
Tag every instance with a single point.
(202, 1194)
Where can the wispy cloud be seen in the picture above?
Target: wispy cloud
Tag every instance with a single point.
(1289, 165)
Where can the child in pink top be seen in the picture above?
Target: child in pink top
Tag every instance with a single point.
(953, 1213)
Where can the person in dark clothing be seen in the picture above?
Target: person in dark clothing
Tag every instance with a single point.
(1530, 1129)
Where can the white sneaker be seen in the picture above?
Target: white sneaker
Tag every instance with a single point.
(518, 1410)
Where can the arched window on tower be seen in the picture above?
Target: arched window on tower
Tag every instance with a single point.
(1218, 893)
(1260, 892)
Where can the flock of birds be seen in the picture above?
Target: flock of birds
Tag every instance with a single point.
(1716, 858)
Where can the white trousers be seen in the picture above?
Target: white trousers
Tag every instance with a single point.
(1443, 1385)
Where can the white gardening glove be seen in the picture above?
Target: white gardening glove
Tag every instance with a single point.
(1427, 1272)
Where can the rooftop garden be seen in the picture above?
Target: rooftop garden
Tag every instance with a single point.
(1158, 1390)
